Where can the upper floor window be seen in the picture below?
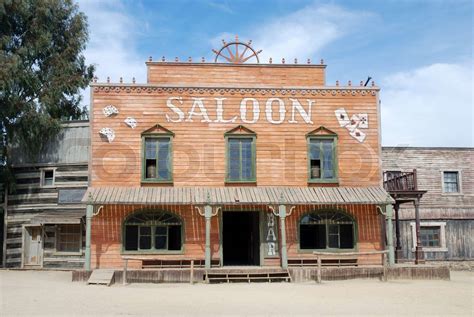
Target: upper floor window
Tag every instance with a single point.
(322, 156)
(69, 238)
(241, 156)
(157, 158)
(47, 177)
(451, 182)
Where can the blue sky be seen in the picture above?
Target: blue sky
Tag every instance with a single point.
(418, 52)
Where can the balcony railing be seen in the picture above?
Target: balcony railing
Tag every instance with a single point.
(400, 181)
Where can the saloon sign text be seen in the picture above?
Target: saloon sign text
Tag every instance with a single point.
(275, 110)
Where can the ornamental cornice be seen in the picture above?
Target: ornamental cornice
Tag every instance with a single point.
(290, 91)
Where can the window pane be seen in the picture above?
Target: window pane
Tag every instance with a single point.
(160, 230)
(312, 236)
(150, 148)
(160, 242)
(151, 168)
(333, 236)
(451, 182)
(346, 237)
(430, 236)
(163, 159)
(69, 238)
(234, 159)
(314, 150)
(131, 238)
(145, 238)
(328, 159)
(246, 154)
(174, 237)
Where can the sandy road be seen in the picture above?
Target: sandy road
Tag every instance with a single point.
(51, 293)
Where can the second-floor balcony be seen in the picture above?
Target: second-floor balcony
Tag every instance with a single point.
(397, 181)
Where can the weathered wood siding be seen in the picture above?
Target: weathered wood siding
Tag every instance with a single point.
(454, 209)
(107, 230)
(199, 147)
(220, 74)
(459, 241)
(30, 199)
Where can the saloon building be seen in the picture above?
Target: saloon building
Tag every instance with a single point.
(234, 162)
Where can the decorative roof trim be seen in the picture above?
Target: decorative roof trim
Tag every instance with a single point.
(148, 89)
(321, 128)
(158, 127)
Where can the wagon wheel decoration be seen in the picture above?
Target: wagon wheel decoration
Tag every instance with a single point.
(236, 52)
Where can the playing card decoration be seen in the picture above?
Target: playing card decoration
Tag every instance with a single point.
(354, 124)
(110, 110)
(108, 133)
(131, 122)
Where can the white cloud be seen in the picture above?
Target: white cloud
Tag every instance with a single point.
(111, 45)
(428, 106)
(301, 34)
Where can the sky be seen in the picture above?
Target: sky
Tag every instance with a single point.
(420, 52)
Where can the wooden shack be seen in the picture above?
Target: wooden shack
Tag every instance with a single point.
(234, 163)
(446, 210)
(44, 218)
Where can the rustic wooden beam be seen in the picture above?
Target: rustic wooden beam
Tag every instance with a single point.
(89, 213)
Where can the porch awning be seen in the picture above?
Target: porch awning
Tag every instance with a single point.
(59, 217)
(236, 195)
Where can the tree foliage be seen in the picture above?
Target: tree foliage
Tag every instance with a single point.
(42, 70)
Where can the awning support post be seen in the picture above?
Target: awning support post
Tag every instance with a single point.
(391, 251)
(89, 214)
(284, 254)
(208, 216)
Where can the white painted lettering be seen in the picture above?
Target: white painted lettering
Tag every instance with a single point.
(202, 111)
(296, 105)
(269, 110)
(169, 104)
(243, 110)
(220, 112)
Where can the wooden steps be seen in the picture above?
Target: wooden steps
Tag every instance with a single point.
(101, 277)
(246, 276)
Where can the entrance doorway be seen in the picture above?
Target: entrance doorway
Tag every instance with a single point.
(33, 245)
(241, 239)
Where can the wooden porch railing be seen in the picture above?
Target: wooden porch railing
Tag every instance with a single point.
(337, 255)
(400, 181)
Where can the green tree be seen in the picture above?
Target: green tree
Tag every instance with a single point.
(42, 71)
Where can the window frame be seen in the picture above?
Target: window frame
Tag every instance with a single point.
(168, 136)
(355, 233)
(42, 177)
(252, 136)
(152, 250)
(56, 240)
(333, 180)
(443, 246)
(443, 188)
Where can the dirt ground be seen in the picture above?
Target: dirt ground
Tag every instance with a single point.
(52, 294)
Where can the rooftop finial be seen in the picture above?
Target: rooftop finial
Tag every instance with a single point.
(270, 60)
(296, 61)
(309, 61)
(190, 59)
(108, 79)
(150, 58)
(203, 59)
(133, 80)
(176, 59)
(349, 83)
(95, 79)
(322, 61)
(163, 58)
(337, 82)
(236, 52)
(121, 80)
(283, 60)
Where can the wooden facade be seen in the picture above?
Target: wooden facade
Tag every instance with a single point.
(199, 107)
(47, 199)
(451, 214)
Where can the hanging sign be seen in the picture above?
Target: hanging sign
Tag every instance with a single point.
(270, 235)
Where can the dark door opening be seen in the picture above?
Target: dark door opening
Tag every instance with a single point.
(241, 239)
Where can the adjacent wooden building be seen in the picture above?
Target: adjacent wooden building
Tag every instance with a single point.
(234, 163)
(446, 209)
(44, 219)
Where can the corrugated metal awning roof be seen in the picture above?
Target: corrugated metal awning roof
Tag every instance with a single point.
(237, 195)
(59, 217)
